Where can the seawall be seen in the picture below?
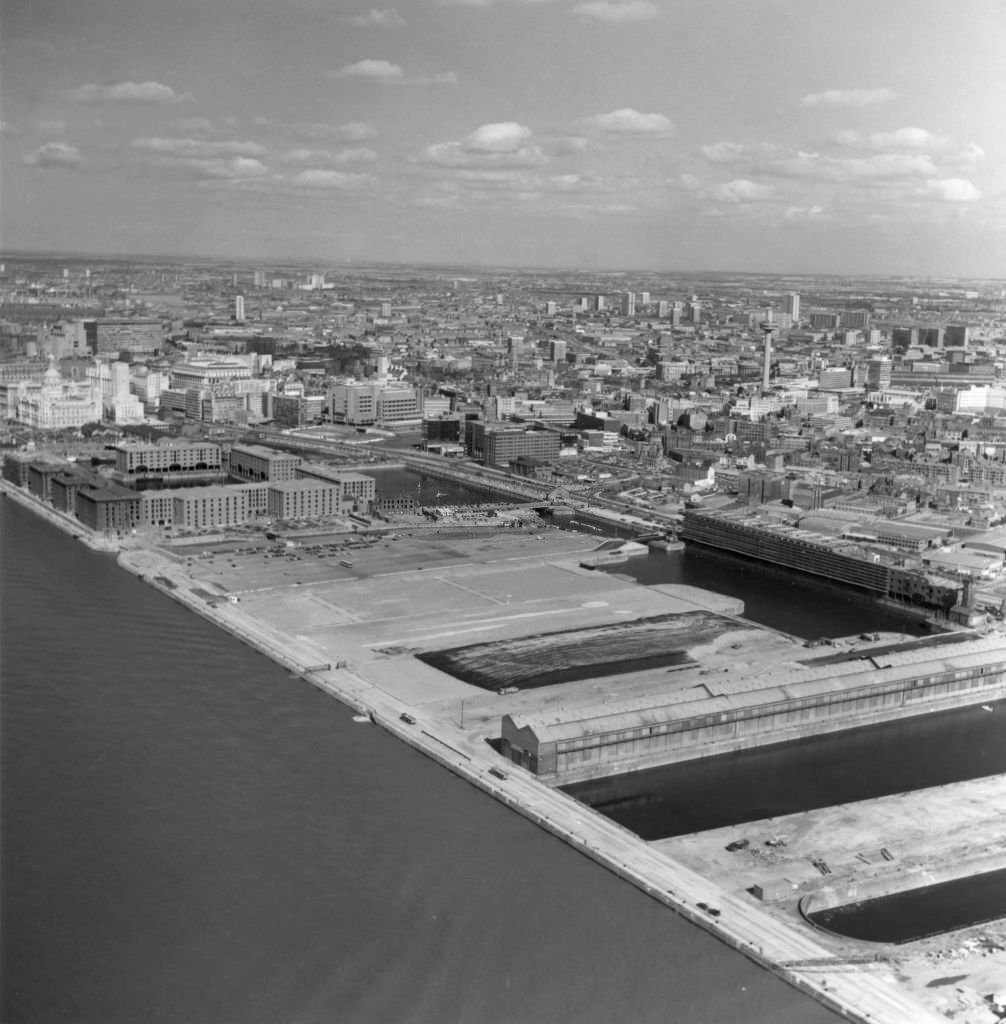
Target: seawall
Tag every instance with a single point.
(60, 520)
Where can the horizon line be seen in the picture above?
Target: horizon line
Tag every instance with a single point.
(348, 262)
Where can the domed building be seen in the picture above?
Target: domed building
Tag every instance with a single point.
(56, 404)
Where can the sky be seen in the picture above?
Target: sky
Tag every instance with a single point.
(806, 136)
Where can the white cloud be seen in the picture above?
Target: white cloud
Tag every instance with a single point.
(880, 167)
(357, 154)
(54, 154)
(618, 11)
(351, 131)
(723, 152)
(497, 143)
(485, 4)
(805, 213)
(900, 138)
(954, 190)
(497, 137)
(847, 98)
(128, 92)
(567, 144)
(199, 148)
(971, 155)
(356, 131)
(317, 178)
(740, 190)
(305, 156)
(627, 121)
(375, 70)
(218, 161)
(453, 154)
(378, 18)
(199, 125)
(235, 168)
(386, 73)
(909, 138)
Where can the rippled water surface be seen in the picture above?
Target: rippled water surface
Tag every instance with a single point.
(192, 836)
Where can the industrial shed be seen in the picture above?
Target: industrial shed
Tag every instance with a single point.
(718, 712)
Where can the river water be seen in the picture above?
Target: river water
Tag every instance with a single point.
(805, 606)
(805, 774)
(919, 913)
(191, 836)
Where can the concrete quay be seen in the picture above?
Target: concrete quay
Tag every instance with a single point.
(434, 720)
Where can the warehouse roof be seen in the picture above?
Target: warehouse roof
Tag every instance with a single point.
(706, 691)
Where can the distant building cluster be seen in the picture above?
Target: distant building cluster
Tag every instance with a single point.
(645, 393)
(191, 485)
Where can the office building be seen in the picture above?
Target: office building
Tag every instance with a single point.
(239, 308)
(108, 509)
(67, 338)
(499, 445)
(157, 508)
(823, 321)
(357, 489)
(791, 305)
(305, 499)
(931, 337)
(904, 338)
(854, 319)
(175, 456)
(209, 374)
(835, 378)
(255, 462)
(878, 374)
(135, 336)
(147, 385)
(365, 404)
(203, 508)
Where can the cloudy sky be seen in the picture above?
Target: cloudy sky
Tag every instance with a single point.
(776, 135)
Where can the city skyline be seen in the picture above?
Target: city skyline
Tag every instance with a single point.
(776, 137)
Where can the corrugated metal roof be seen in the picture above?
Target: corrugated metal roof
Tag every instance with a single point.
(717, 692)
